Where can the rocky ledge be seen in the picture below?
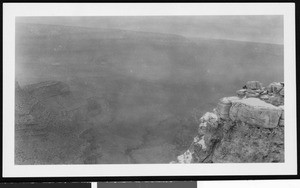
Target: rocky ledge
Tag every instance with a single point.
(245, 128)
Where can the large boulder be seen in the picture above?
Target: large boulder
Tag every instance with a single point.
(255, 112)
(224, 106)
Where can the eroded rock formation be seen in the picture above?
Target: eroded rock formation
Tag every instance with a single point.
(245, 128)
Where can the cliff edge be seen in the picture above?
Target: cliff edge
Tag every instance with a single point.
(245, 128)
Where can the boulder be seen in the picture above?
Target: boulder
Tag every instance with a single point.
(224, 106)
(281, 92)
(254, 85)
(208, 136)
(241, 93)
(255, 112)
(210, 119)
(186, 157)
(264, 91)
(252, 95)
(264, 97)
(275, 87)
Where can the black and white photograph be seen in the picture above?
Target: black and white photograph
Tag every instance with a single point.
(173, 90)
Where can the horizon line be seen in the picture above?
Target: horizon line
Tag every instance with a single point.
(139, 31)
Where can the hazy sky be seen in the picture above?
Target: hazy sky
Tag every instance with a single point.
(265, 29)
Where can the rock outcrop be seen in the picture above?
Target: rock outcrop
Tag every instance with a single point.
(245, 128)
(255, 112)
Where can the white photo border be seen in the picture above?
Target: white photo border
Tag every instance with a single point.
(12, 10)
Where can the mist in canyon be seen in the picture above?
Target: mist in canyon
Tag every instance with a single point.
(143, 82)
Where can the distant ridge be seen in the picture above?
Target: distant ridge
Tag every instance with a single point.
(106, 29)
(236, 41)
(148, 33)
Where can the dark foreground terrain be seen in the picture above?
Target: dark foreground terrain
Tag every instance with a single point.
(89, 95)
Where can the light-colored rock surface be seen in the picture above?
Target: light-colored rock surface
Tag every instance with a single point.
(224, 106)
(186, 157)
(204, 143)
(255, 112)
(209, 118)
(241, 93)
(254, 131)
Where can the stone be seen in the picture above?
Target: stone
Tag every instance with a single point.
(276, 100)
(223, 110)
(209, 118)
(264, 97)
(224, 106)
(255, 112)
(254, 85)
(281, 92)
(264, 91)
(208, 136)
(281, 122)
(241, 93)
(282, 114)
(252, 95)
(275, 87)
(186, 157)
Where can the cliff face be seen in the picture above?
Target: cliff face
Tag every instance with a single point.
(245, 128)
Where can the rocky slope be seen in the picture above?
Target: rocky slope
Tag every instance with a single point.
(50, 124)
(54, 127)
(245, 128)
